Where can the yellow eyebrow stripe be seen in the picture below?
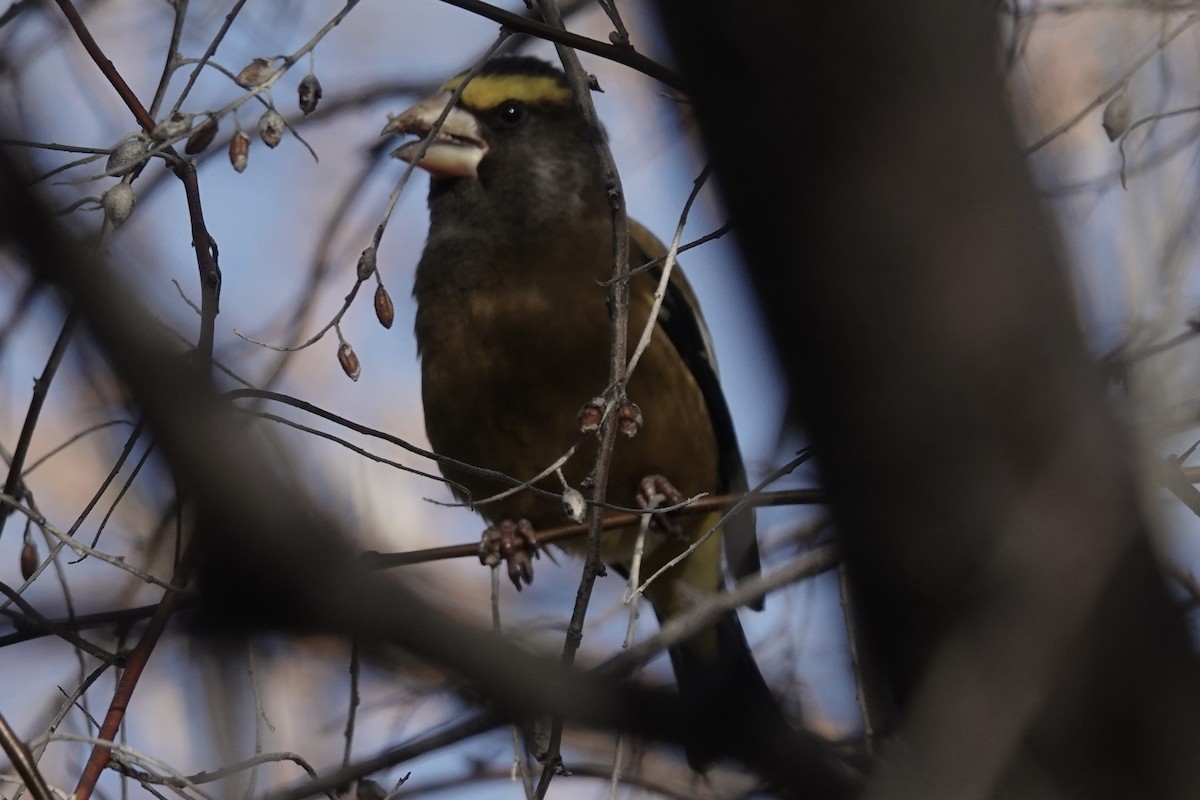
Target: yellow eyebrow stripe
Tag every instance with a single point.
(489, 91)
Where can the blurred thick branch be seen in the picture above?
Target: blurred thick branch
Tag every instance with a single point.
(984, 492)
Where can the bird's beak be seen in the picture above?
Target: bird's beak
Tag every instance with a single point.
(457, 148)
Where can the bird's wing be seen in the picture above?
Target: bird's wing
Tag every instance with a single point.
(680, 319)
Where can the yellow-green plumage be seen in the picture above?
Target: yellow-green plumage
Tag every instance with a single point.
(513, 333)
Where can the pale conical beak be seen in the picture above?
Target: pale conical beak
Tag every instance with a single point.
(457, 148)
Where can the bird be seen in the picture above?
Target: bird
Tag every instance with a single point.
(513, 334)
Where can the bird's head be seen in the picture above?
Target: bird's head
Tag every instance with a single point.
(515, 132)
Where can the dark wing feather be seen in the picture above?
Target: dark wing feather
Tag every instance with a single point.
(684, 327)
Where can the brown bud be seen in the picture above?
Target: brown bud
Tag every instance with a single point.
(239, 150)
(574, 505)
(349, 361)
(384, 310)
(310, 93)
(1117, 114)
(629, 418)
(202, 137)
(118, 203)
(366, 263)
(29, 559)
(126, 156)
(270, 127)
(254, 73)
(591, 415)
(172, 127)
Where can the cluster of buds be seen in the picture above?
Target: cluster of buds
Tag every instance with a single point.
(271, 125)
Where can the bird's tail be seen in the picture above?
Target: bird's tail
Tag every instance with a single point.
(724, 685)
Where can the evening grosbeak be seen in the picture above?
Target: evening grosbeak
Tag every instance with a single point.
(513, 332)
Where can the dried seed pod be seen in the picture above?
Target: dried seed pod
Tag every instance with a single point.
(366, 263)
(310, 94)
(629, 418)
(349, 361)
(573, 504)
(1118, 114)
(172, 127)
(255, 73)
(118, 203)
(202, 137)
(270, 127)
(126, 156)
(385, 312)
(591, 415)
(29, 559)
(239, 150)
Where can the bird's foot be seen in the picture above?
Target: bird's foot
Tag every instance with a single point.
(655, 491)
(514, 543)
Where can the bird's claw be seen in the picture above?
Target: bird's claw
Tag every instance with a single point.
(655, 491)
(515, 543)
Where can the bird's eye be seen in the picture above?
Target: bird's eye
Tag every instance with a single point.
(512, 112)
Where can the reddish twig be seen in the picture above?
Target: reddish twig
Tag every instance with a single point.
(210, 286)
(206, 260)
(23, 762)
(202, 241)
(106, 67)
(134, 667)
(618, 298)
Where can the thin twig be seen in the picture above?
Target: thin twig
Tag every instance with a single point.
(1114, 87)
(562, 37)
(134, 668)
(204, 245)
(23, 762)
(786, 469)
(660, 291)
(66, 540)
(457, 732)
(35, 617)
(13, 484)
(707, 611)
(125, 487)
(355, 700)
(171, 61)
(99, 426)
(785, 497)
(393, 199)
(618, 295)
(208, 53)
